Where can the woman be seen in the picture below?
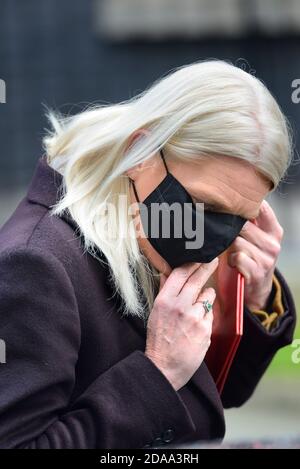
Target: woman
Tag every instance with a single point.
(106, 329)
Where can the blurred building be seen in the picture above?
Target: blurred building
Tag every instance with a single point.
(67, 54)
(195, 19)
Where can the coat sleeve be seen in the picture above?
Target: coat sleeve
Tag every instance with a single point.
(127, 406)
(257, 349)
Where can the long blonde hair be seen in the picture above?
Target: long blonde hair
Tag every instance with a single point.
(196, 111)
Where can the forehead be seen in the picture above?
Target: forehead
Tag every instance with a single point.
(230, 182)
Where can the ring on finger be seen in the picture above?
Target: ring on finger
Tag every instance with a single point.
(207, 306)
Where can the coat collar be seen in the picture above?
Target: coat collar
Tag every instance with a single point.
(46, 188)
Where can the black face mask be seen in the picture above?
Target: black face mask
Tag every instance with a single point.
(219, 230)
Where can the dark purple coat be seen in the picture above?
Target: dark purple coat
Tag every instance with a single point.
(76, 374)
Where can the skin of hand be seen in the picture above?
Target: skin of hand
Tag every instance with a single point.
(178, 329)
(255, 252)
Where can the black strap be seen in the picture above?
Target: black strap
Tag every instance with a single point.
(134, 190)
(132, 181)
(163, 158)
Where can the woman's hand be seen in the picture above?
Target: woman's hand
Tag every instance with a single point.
(178, 330)
(254, 253)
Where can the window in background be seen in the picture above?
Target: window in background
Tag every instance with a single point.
(164, 19)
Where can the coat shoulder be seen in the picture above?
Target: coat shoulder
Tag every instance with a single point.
(32, 226)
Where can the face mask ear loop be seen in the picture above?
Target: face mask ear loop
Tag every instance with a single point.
(134, 189)
(164, 161)
(132, 181)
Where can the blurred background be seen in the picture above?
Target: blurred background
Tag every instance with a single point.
(66, 54)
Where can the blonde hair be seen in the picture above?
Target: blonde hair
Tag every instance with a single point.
(199, 110)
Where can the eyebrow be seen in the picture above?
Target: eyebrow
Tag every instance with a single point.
(213, 205)
(217, 206)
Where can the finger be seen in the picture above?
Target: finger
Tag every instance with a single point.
(257, 237)
(243, 245)
(264, 261)
(267, 220)
(196, 282)
(178, 277)
(256, 244)
(208, 294)
(244, 264)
